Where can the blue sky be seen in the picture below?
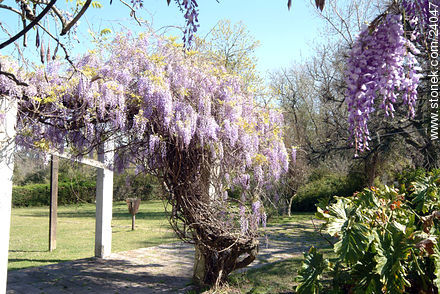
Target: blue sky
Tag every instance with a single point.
(285, 36)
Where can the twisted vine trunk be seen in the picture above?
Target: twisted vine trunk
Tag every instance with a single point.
(212, 267)
(197, 217)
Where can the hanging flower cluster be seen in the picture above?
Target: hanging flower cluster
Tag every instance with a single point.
(420, 14)
(191, 15)
(382, 66)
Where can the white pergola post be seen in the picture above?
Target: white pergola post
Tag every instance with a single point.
(104, 200)
(8, 119)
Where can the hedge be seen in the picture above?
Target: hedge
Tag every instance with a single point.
(326, 186)
(39, 194)
(82, 191)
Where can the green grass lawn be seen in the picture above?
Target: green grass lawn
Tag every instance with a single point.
(75, 239)
(278, 277)
(28, 245)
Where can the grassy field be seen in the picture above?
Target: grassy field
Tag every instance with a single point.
(28, 244)
(75, 239)
(278, 277)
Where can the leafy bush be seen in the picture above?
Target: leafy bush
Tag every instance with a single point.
(39, 194)
(39, 176)
(408, 176)
(310, 272)
(129, 185)
(387, 241)
(325, 186)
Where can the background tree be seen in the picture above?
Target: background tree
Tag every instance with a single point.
(313, 95)
(233, 46)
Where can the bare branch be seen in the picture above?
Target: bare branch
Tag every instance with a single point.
(76, 18)
(132, 12)
(13, 78)
(29, 26)
(10, 8)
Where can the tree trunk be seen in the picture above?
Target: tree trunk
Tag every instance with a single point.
(289, 212)
(198, 216)
(212, 267)
(371, 168)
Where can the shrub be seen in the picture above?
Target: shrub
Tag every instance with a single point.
(325, 186)
(387, 241)
(81, 189)
(39, 194)
(128, 185)
(408, 176)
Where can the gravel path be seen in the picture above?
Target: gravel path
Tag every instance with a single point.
(161, 269)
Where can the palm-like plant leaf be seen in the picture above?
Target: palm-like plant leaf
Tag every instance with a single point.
(353, 243)
(311, 269)
(392, 251)
(426, 193)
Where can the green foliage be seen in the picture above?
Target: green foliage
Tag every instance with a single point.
(325, 186)
(39, 176)
(130, 185)
(76, 183)
(408, 176)
(310, 272)
(39, 194)
(387, 239)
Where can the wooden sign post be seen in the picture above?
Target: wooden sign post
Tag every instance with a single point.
(133, 207)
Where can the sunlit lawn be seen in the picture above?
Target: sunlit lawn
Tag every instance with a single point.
(28, 244)
(75, 239)
(278, 277)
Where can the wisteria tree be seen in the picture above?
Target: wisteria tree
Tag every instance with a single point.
(166, 111)
(176, 115)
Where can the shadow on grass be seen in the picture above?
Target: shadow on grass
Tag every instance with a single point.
(40, 251)
(163, 240)
(91, 214)
(12, 260)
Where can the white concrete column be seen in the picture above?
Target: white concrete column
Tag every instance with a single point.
(104, 200)
(8, 119)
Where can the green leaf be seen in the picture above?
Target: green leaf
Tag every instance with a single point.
(353, 243)
(426, 193)
(96, 4)
(338, 215)
(311, 269)
(367, 199)
(367, 280)
(392, 250)
(436, 257)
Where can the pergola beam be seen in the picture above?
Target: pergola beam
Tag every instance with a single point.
(83, 160)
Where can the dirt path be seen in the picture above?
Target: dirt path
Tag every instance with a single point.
(161, 269)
